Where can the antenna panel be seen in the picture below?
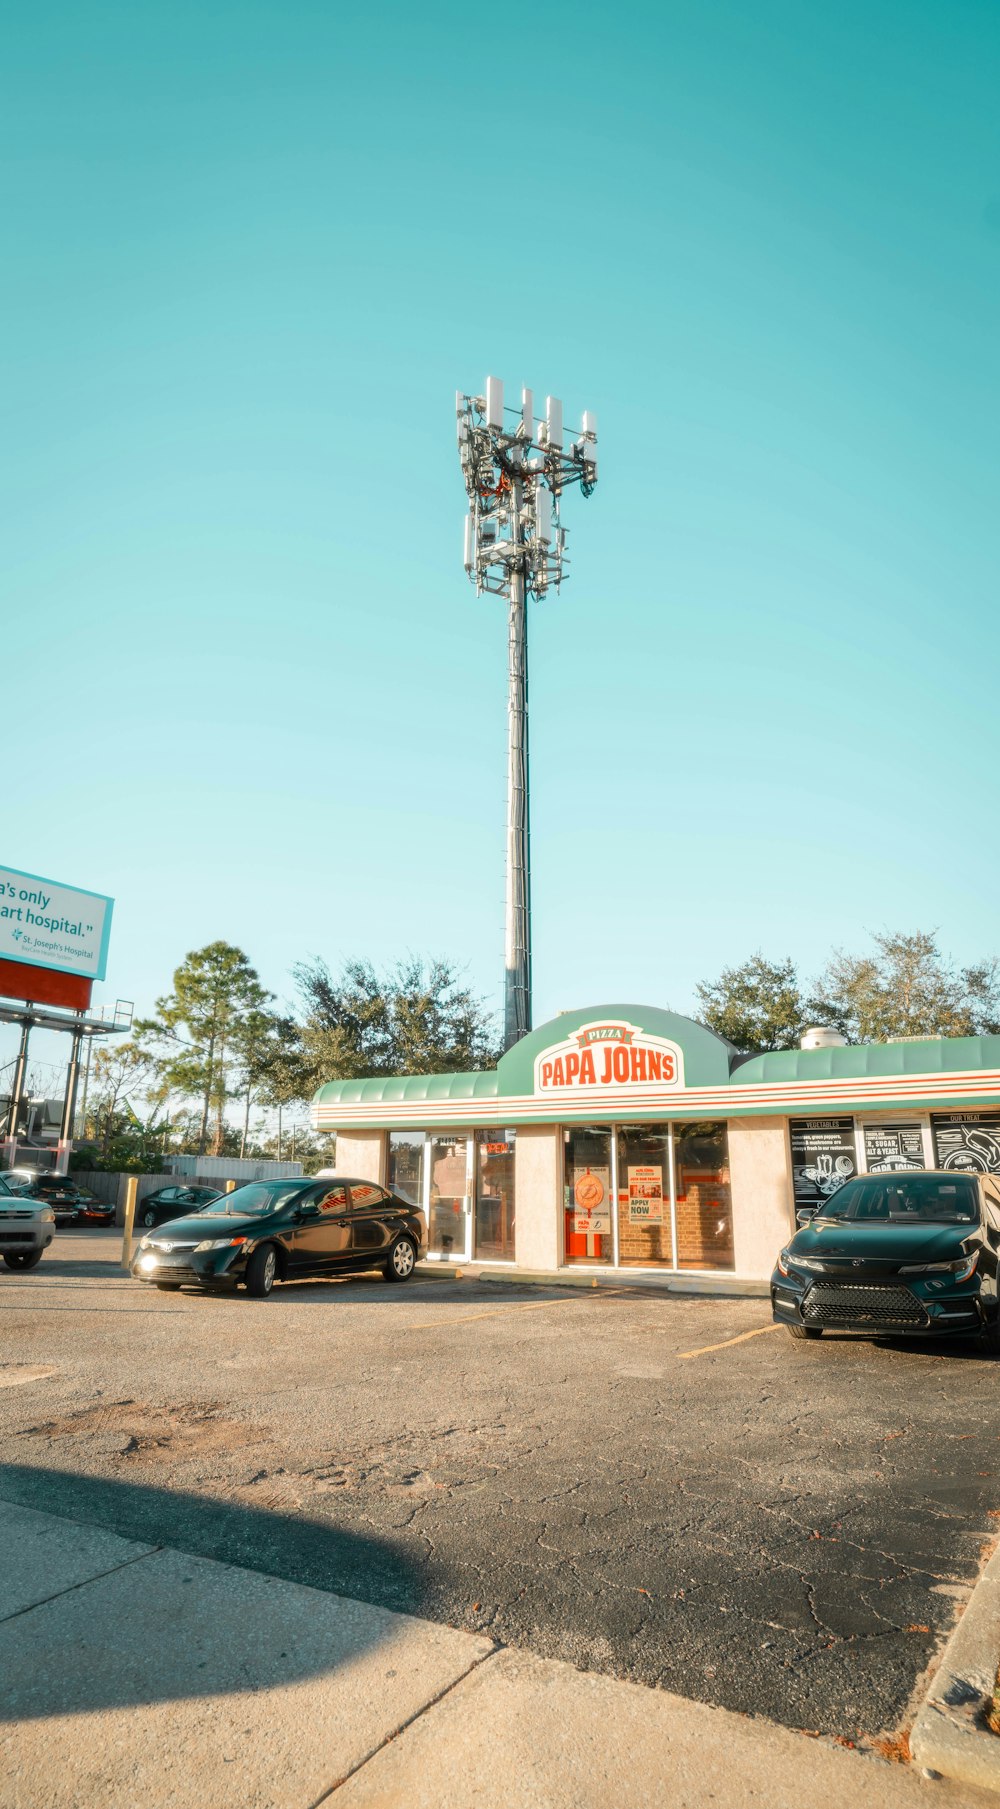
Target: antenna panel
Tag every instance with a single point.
(494, 402)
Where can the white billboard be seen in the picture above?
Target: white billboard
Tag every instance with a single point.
(47, 924)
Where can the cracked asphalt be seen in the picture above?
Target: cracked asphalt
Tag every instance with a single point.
(785, 1529)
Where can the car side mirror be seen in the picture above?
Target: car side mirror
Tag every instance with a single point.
(803, 1218)
(308, 1211)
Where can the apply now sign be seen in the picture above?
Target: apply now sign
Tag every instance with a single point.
(47, 924)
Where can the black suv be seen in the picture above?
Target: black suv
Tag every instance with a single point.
(272, 1231)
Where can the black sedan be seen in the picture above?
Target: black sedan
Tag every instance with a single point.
(911, 1254)
(174, 1203)
(272, 1231)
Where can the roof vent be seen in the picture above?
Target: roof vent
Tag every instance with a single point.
(820, 1036)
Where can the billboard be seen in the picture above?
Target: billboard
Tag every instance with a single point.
(46, 924)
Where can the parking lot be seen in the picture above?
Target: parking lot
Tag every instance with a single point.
(661, 1488)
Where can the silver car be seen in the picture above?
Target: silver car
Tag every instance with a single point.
(26, 1228)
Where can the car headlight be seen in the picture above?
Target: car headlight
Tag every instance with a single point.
(961, 1270)
(144, 1243)
(219, 1243)
(47, 1216)
(783, 1264)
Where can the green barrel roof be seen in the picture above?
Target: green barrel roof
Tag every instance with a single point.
(858, 1061)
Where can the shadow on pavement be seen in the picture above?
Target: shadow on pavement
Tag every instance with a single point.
(364, 1566)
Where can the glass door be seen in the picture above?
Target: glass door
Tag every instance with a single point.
(495, 1196)
(449, 1204)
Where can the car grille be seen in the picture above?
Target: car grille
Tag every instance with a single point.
(16, 1237)
(168, 1245)
(837, 1302)
(26, 1214)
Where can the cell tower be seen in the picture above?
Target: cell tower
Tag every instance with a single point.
(515, 470)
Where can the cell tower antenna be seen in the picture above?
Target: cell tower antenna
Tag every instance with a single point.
(516, 469)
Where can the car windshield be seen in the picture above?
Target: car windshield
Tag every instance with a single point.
(253, 1200)
(905, 1199)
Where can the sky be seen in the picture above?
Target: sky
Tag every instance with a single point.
(251, 252)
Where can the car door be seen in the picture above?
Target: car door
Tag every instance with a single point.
(322, 1241)
(375, 1219)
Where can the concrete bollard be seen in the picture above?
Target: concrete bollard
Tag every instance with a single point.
(131, 1189)
(229, 1185)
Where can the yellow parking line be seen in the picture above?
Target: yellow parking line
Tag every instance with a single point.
(758, 1332)
(531, 1306)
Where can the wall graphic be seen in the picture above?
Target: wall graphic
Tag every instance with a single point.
(967, 1140)
(592, 1200)
(824, 1156)
(893, 1146)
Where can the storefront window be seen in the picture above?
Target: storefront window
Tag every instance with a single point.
(824, 1156)
(494, 1196)
(406, 1165)
(644, 1231)
(967, 1140)
(587, 1194)
(704, 1197)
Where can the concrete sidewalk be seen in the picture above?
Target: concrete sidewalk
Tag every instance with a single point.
(133, 1675)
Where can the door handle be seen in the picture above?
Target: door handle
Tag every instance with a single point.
(341, 1222)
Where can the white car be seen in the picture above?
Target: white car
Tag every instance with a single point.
(27, 1228)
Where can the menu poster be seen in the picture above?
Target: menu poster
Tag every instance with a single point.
(967, 1140)
(592, 1200)
(892, 1146)
(645, 1195)
(824, 1156)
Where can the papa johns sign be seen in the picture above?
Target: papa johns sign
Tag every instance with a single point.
(611, 1058)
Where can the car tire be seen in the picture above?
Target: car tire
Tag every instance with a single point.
(22, 1259)
(149, 1218)
(989, 1338)
(262, 1270)
(402, 1260)
(805, 1331)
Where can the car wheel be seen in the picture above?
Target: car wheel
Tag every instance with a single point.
(149, 1218)
(402, 1260)
(22, 1259)
(989, 1338)
(805, 1331)
(262, 1270)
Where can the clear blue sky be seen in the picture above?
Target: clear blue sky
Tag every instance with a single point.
(251, 252)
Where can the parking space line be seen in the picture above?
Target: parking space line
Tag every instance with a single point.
(530, 1306)
(758, 1332)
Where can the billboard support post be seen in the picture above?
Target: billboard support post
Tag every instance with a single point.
(16, 1096)
(69, 1105)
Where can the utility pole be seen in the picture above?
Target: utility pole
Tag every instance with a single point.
(515, 547)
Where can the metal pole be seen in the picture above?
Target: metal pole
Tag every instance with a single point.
(69, 1105)
(86, 1084)
(517, 962)
(17, 1093)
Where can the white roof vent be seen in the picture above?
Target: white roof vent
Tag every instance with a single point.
(820, 1036)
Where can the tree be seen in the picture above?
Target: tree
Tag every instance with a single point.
(906, 988)
(756, 1006)
(269, 1055)
(197, 1027)
(415, 1019)
(121, 1075)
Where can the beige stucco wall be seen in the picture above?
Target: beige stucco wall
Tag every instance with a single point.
(538, 1194)
(362, 1153)
(760, 1164)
